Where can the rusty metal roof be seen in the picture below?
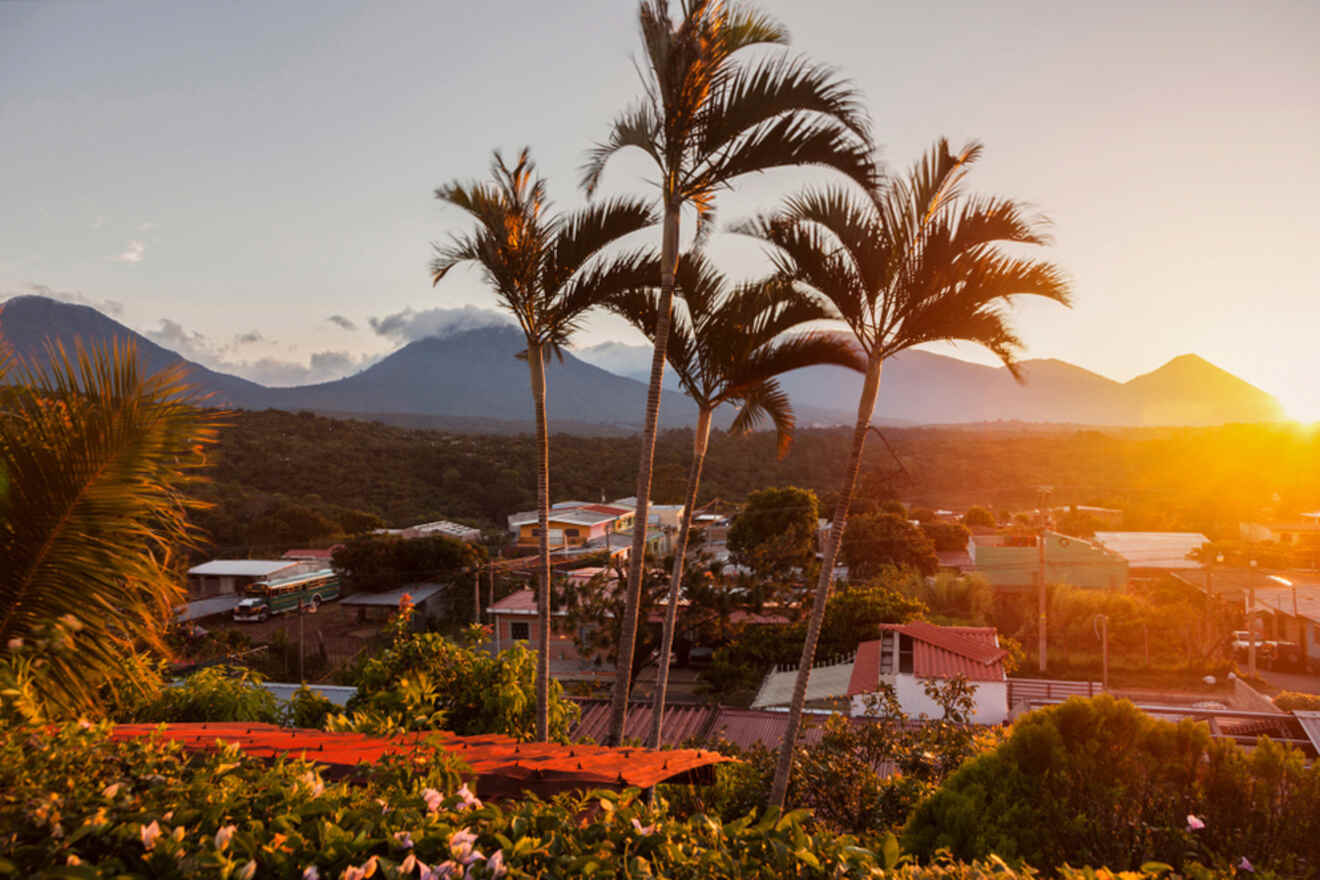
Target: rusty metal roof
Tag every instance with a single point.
(697, 723)
(937, 652)
(501, 765)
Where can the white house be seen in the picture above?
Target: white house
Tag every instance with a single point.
(227, 577)
(908, 655)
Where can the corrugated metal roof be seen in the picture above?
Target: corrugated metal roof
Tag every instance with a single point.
(937, 652)
(501, 765)
(1167, 550)
(685, 723)
(418, 593)
(242, 567)
(1310, 722)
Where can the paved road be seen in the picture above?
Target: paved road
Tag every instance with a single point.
(1292, 681)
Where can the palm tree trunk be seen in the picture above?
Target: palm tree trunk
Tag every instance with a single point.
(699, 441)
(632, 601)
(865, 407)
(536, 362)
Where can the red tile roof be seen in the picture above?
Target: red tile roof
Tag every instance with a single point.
(937, 652)
(501, 765)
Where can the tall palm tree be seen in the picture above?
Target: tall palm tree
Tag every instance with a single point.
(95, 458)
(726, 345)
(708, 117)
(918, 261)
(548, 270)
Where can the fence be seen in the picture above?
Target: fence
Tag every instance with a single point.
(1025, 690)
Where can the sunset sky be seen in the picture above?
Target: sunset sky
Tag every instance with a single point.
(252, 183)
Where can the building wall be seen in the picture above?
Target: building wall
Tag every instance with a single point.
(990, 700)
(559, 533)
(1067, 561)
(561, 644)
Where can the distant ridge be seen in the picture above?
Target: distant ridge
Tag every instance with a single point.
(473, 382)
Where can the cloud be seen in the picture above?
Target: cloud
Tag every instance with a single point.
(342, 322)
(132, 254)
(146, 227)
(98, 222)
(322, 366)
(112, 307)
(410, 325)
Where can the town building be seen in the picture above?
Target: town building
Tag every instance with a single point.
(436, 527)
(229, 577)
(1014, 562)
(1288, 609)
(1153, 553)
(907, 656)
(574, 524)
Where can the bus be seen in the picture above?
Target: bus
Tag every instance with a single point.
(278, 595)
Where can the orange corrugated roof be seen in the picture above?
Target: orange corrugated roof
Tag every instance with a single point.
(501, 765)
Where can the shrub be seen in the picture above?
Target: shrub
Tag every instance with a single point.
(979, 516)
(1100, 782)
(424, 681)
(1290, 700)
(218, 693)
(83, 806)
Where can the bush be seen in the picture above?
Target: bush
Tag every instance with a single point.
(979, 516)
(83, 806)
(1100, 782)
(218, 693)
(424, 681)
(1290, 700)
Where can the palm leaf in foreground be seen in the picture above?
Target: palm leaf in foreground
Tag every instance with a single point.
(95, 458)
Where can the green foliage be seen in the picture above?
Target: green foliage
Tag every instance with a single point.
(217, 693)
(876, 540)
(775, 532)
(947, 536)
(964, 600)
(852, 615)
(378, 563)
(922, 514)
(979, 516)
(423, 681)
(1290, 700)
(861, 777)
(97, 459)
(1098, 781)
(83, 806)
(594, 614)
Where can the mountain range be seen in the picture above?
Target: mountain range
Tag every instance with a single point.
(474, 381)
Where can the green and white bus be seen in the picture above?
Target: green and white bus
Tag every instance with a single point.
(278, 595)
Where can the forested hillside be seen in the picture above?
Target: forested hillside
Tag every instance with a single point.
(282, 478)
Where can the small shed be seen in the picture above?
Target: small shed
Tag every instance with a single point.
(427, 599)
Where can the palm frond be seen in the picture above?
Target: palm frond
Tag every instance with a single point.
(584, 234)
(766, 400)
(638, 127)
(97, 457)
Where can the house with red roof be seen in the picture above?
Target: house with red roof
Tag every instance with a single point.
(909, 655)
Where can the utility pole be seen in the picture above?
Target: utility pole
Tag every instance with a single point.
(1042, 621)
(1251, 621)
(301, 676)
(476, 595)
(1104, 651)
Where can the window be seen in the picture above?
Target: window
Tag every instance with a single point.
(520, 631)
(904, 652)
(572, 533)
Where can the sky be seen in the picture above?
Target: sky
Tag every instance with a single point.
(252, 184)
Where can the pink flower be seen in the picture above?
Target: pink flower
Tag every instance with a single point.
(470, 800)
(496, 864)
(403, 839)
(1245, 865)
(1193, 823)
(149, 834)
(644, 830)
(460, 844)
(311, 873)
(439, 872)
(433, 799)
(223, 835)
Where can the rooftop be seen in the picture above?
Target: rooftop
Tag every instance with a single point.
(242, 567)
(418, 593)
(937, 652)
(1166, 550)
(501, 765)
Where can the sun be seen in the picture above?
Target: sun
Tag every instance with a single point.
(1302, 404)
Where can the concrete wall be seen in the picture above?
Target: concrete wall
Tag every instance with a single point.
(990, 707)
(1067, 561)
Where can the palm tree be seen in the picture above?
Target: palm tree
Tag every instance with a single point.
(916, 262)
(727, 346)
(707, 118)
(94, 461)
(548, 271)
